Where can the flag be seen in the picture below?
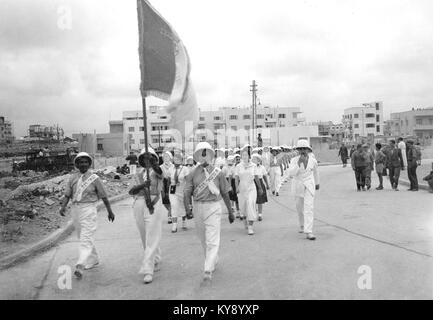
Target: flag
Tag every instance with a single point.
(165, 67)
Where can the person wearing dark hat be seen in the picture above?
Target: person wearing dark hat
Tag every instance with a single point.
(379, 161)
(359, 165)
(148, 211)
(412, 164)
(85, 189)
(394, 163)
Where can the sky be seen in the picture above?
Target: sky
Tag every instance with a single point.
(75, 63)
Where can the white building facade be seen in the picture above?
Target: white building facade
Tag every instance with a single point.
(365, 121)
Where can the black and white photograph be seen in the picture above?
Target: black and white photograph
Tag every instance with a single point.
(230, 152)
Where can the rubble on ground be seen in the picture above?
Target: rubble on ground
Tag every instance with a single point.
(30, 202)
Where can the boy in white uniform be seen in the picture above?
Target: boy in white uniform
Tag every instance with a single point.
(85, 189)
(304, 171)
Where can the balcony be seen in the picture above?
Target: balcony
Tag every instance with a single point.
(423, 127)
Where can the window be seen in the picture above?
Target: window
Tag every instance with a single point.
(247, 128)
(234, 128)
(270, 116)
(369, 115)
(233, 117)
(131, 129)
(218, 118)
(281, 116)
(201, 118)
(155, 140)
(430, 121)
(163, 117)
(200, 126)
(377, 106)
(369, 125)
(259, 126)
(141, 141)
(377, 118)
(141, 128)
(100, 147)
(247, 116)
(356, 116)
(260, 116)
(356, 126)
(132, 141)
(377, 128)
(294, 115)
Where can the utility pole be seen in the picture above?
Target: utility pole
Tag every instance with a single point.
(253, 108)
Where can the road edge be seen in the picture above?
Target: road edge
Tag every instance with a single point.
(50, 241)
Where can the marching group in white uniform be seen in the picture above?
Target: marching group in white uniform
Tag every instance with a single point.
(201, 187)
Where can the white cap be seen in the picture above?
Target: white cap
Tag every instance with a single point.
(82, 155)
(202, 146)
(303, 144)
(231, 158)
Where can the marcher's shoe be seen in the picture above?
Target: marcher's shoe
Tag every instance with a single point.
(78, 271)
(414, 190)
(169, 220)
(409, 189)
(273, 193)
(184, 225)
(250, 230)
(311, 236)
(174, 227)
(148, 278)
(277, 194)
(238, 216)
(363, 188)
(301, 229)
(379, 188)
(207, 277)
(368, 187)
(260, 217)
(91, 266)
(396, 189)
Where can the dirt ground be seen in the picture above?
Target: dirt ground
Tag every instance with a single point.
(29, 205)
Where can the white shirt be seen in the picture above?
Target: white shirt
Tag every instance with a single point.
(304, 178)
(261, 171)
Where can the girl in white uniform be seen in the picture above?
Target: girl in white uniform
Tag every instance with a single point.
(177, 174)
(262, 175)
(246, 174)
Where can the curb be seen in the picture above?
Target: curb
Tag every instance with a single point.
(420, 185)
(49, 241)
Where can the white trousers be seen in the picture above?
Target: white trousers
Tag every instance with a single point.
(305, 206)
(207, 216)
(275, 177)
(84, 217)
(150, 228)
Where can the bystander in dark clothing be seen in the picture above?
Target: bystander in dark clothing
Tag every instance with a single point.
(429, 180)
(379, 161)
(359, 164)
(412, 164)
(370, 165)
(343, 154)
(394, 163)
(352, 150)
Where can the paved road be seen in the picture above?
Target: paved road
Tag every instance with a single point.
(391, 232)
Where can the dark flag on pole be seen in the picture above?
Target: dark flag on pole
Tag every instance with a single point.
(165, 66)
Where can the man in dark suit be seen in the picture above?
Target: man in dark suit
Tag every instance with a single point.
(412, 164)
(394, 163)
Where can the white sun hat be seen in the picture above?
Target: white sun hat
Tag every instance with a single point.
(303, 144)
(82, 155)
(200, 147)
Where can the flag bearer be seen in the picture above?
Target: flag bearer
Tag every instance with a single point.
(148, 211)
(304, 171)
(207, 185)
(85, 189)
